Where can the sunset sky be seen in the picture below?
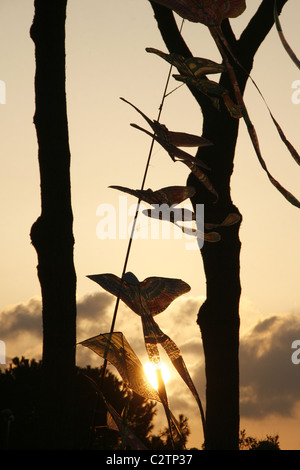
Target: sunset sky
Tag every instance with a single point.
(106, 60)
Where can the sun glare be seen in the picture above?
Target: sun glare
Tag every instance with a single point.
(151, 374)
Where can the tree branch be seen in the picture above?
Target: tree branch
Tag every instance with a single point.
(169, 30)
(255, 33)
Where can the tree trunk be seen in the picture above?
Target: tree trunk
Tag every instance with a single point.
(218, 317)
(52, 233)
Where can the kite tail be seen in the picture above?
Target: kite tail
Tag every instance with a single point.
(176, 358)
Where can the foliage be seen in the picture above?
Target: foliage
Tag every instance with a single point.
(20, 396)
(251, 443)
(163, 441)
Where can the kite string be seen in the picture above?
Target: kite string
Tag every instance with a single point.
(135, 218)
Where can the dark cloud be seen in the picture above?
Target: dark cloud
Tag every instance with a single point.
(21, 318)
(91, 306)
(269, 379)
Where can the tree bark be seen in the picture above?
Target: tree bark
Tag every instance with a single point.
(218, 317)
(52, 233)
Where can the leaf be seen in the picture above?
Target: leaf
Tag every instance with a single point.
(170, 195)
(285, 44)
(208, 12)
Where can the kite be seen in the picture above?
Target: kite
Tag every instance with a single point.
(193, 66)
(175, 215)
(119, 353)
(170, 195)
(117, 422)
(193, 72)
(116, 349)
(147, 299)
(231, 219)
(214, 91)
(170, 141)
(208, 12)
(163, 199)
(166, 138)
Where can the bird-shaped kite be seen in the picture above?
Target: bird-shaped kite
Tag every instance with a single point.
(208, 12)
(214, 91)
(116, 349)
(147, 299)
(193, 72)
(192, 66)
(164, 200)
(175, 215)
(231, 219)
(170, 141)
(170, 195)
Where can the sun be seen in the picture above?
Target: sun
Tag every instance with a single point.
(150, 368)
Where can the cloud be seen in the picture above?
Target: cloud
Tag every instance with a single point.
(21, 329)
(269, 379)
(21, 318)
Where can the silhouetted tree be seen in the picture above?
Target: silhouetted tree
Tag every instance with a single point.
(19, 408)
(218, 317)
(52, 233)
(251, 443)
